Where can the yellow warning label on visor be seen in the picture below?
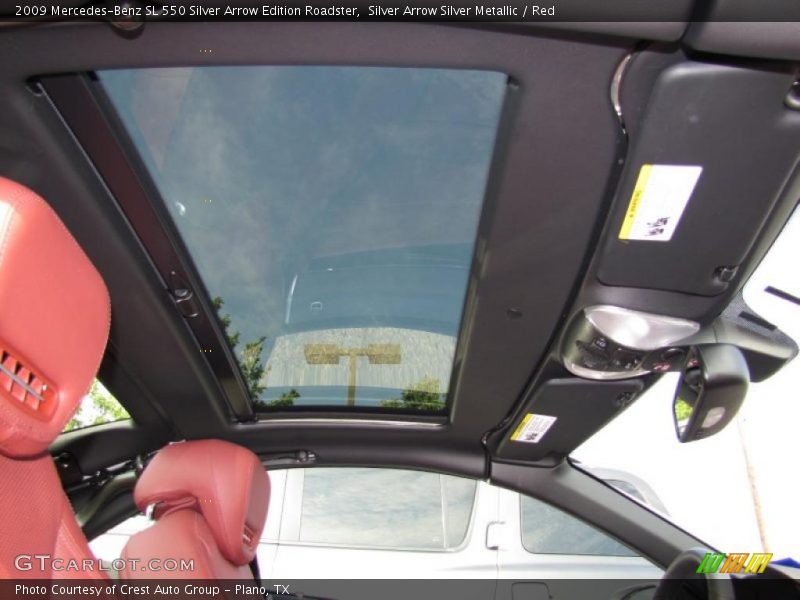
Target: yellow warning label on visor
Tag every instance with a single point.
(658, 202)
(532, 428)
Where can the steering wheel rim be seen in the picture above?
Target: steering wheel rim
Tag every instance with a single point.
(719, 586)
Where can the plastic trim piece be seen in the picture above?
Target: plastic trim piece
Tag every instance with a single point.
(639, 330)
(82, 105)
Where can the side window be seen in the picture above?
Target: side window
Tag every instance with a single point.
(548, 530)
(98, 407)
(379, 508)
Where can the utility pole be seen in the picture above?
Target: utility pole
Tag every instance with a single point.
(331, 354)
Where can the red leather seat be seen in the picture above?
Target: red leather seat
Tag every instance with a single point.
(54, 320)
(209, 500)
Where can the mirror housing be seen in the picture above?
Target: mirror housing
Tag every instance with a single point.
(711, 389)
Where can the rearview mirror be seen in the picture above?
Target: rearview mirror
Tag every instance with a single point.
(711, 389)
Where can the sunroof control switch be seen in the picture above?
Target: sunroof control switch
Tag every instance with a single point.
(610, 342)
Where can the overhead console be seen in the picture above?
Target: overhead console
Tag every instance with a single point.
(609, 342)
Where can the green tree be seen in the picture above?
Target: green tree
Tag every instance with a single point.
(252, 367)
(425, 395)
(286, 399)
(683, 410)
(98, 407)
(250, 357)
(225, 320)
(250, 361)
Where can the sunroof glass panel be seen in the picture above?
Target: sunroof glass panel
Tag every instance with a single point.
(331, 212)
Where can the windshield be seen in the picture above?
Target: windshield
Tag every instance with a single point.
(734, 490)
(332, 213)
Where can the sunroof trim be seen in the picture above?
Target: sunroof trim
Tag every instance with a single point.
(383, 421)
(82, 105)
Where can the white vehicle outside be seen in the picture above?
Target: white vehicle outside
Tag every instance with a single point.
(371, 523)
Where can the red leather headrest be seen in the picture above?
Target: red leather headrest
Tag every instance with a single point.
(226, 483)
(54, 320)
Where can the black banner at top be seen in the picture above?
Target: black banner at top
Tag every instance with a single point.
(516, 11)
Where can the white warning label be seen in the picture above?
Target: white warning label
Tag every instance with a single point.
(532, 428)
(658, 201)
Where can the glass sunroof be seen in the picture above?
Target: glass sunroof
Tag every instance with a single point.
(331, 212)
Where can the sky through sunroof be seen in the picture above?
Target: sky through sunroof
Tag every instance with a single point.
(331, 211)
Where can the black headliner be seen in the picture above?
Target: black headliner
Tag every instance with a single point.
(549, 206)
(558, 157)
(562, 150)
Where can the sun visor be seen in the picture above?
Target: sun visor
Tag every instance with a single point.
(708, 164)
(547, 430)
